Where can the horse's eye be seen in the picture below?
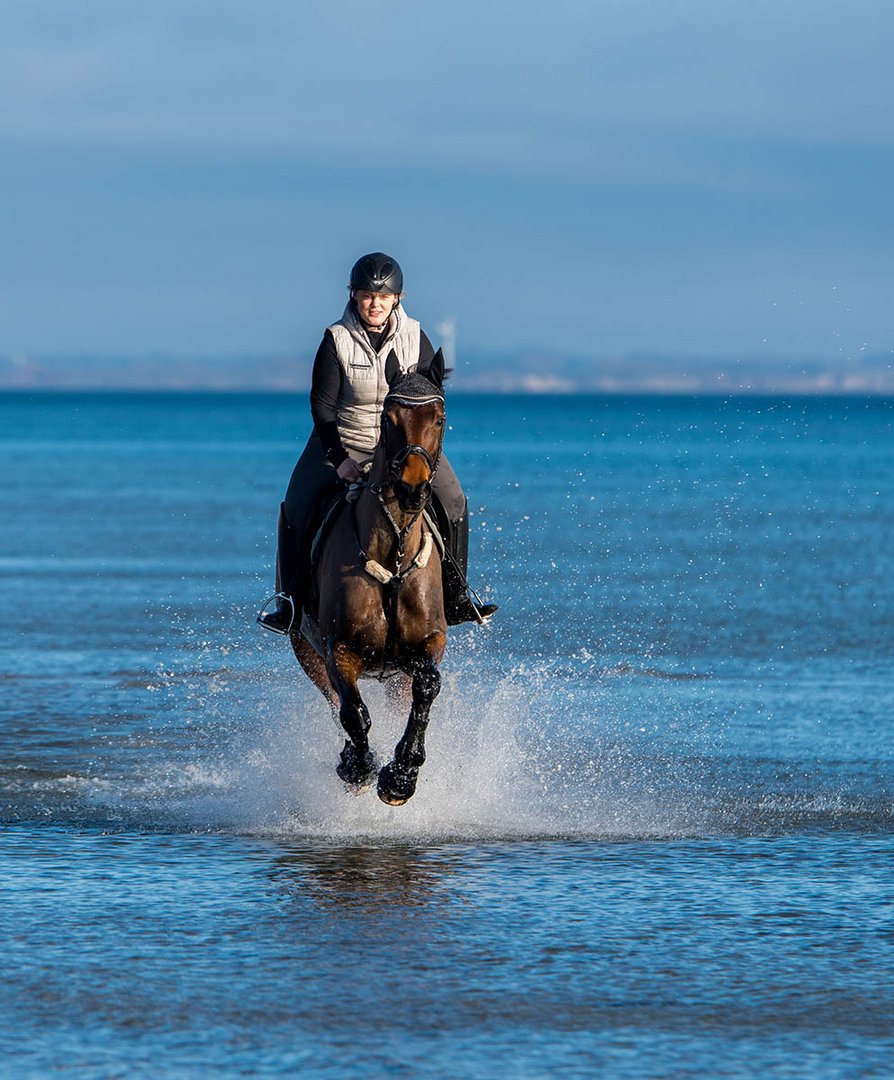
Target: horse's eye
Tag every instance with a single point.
(442, 420)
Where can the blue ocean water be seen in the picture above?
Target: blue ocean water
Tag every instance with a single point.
(654, 832)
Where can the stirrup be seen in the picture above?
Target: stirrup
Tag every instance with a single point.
(282, 598)
(470, 611)
(486, 612)
(483, 612)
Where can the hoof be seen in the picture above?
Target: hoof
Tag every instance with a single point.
(396, 786)
(356, 770)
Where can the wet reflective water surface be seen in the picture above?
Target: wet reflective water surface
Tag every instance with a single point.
(653, 835)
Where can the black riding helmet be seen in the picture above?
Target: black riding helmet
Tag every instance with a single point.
(377, 272)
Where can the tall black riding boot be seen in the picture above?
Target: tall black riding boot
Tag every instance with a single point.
(289, 594)
(458, 605)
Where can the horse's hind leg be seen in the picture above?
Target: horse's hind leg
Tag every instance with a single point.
(357, 765)
(315, 669)
(397, 780)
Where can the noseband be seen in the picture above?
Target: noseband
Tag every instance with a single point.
(396, 463)
(398, 460)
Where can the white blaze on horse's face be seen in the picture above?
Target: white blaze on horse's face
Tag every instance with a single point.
(413, 437)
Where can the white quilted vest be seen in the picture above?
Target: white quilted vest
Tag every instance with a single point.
(363, 386)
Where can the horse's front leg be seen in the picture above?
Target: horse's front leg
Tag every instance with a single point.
(397, 780)
(357, 765)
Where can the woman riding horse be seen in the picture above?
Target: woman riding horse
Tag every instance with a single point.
(348, 391)
(378, 600)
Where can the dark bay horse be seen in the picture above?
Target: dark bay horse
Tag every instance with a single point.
(378, 579)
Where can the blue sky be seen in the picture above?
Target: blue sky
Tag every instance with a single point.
(591, 178)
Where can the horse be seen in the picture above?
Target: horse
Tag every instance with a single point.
(377, 577)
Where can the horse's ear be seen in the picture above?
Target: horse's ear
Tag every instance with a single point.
(392, 368)
(435, 370)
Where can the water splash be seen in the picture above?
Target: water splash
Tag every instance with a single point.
(573, 747)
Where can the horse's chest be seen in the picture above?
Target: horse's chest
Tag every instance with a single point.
(395, 618)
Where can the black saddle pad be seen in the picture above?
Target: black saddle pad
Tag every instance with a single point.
(330, 507)
(328, 511)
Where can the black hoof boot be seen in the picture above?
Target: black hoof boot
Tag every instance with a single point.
(396, 785)
(355, 769)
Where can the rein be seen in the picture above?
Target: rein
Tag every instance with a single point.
(375, 569)
(378, 489)
(393, 581)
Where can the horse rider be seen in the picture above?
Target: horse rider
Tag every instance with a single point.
(347, 393)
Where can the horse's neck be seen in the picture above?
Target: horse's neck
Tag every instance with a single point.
(375, 531)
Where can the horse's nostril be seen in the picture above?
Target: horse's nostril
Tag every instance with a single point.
(412, 497)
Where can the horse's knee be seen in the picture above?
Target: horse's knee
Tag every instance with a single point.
(432, 650)
(344, 668)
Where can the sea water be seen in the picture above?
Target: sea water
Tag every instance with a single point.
(653, 835)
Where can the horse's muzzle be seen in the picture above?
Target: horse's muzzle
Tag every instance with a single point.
(412, 498)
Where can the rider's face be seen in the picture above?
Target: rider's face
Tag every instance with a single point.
(374, 308)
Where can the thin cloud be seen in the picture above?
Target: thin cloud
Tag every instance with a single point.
(282, 76)
(673, 167)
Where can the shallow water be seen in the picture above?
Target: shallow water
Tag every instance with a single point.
(654, 832)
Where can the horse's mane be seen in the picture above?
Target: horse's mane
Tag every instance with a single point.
(414, 389)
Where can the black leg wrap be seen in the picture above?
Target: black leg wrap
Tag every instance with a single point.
(355, 768)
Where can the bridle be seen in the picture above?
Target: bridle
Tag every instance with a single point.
(396, 461)
(395, 464)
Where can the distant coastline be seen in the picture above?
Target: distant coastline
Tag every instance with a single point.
(526, 373)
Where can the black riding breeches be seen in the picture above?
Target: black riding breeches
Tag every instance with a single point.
(311, 478)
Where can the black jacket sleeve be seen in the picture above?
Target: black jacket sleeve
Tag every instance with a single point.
(325, 388)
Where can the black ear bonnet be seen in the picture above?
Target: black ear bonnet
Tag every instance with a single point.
(414, 389)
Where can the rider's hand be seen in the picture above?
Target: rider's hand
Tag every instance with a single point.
(349, 471)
